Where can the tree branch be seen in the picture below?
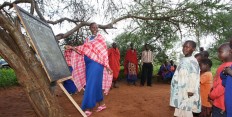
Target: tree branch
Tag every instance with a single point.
(38, 12)
(107, 26)
(61, 20)
(32, 7)
(10, 4)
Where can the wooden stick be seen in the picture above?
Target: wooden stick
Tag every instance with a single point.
(70, 97)
(64, 79)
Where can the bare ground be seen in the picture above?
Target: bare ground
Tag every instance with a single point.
(125, 101)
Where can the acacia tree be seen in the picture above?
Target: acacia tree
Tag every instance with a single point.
(15, 49)
(191, 19)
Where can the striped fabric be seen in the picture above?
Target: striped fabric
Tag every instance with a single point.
(147, 57)
(67, 56)
(96, 50)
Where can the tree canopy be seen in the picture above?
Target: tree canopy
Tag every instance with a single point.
(163, 23)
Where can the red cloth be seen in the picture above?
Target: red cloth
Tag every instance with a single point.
(131, 56)
(114, 61)
(97, 51)
(67, 56)
(218, 91)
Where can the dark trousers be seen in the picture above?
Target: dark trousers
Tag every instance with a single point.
(217, 112)
(147, 70)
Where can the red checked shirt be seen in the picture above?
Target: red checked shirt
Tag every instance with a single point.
(96, 50)
(67, 56)
(218, 91)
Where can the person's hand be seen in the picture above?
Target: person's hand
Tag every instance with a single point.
(227, 71)
(68, 47)
(211, 89)
(210, 100)
(109, 70)
(71, 48)
(190, 94)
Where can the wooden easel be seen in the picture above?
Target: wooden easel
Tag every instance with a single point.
(60, 83)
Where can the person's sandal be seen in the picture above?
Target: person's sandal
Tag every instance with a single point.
(88, 113)
(100, 108)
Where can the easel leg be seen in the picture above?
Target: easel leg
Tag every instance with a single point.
(71, 99)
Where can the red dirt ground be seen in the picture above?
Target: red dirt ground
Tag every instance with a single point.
(133, 101)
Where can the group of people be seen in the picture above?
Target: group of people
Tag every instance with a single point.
(166, 70)
(95, 68)
(194, 91)
(131, 66)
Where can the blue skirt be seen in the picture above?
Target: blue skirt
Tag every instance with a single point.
(69, 84)
(131, 78)
(93, 89)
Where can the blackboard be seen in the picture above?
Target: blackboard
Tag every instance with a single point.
(45, 44)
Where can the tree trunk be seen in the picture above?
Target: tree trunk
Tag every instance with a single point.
(30, 74)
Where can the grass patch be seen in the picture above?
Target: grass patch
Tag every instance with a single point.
(7, 78)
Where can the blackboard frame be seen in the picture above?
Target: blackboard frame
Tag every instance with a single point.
(55, 71)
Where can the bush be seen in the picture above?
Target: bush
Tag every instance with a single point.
(7, 78)
(216, 64)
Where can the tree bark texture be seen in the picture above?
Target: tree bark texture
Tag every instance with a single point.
(29, 71)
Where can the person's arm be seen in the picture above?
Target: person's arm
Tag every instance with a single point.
(137, 69)
(125, 63)
(168, 68)
(193, 81)
(228, 71)
(204, 78)
(73, 48)
(109, 53)
(119, 54)
(142, 58)
(151, 57)
(217, 91)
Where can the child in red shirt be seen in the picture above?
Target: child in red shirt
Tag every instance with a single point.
(217, 92)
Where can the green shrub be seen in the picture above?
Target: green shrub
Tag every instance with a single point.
(216, 64)
(121, 73)
(7, 78)
(156, 69)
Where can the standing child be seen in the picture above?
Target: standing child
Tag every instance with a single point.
(185, 84)
(206, 81)
(226, 76)
(199, 57)
(217, 93)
